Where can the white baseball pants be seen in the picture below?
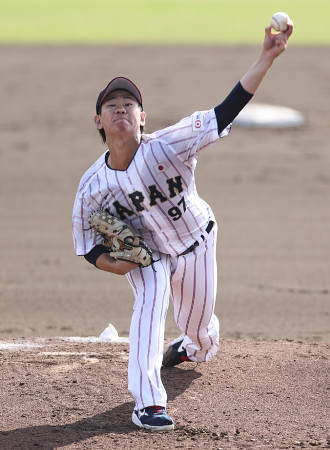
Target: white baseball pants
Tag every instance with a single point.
(191, 280)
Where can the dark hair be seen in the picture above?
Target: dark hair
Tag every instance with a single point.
(102, 132)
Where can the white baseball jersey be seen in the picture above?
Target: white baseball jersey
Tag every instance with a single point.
(156, 194)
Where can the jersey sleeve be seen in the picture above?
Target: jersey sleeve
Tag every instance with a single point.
(85, 203)
(83, 237)
(192, 135)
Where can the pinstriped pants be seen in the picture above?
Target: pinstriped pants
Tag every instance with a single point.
(191, 281)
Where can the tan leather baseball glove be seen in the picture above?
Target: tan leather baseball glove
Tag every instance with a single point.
(122, 241)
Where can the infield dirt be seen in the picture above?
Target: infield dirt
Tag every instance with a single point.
(268, 386)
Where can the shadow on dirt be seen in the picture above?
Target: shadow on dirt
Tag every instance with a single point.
(113, 421)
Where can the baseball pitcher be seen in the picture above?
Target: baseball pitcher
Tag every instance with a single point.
(137, 213)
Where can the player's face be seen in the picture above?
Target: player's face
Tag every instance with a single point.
(120, 114)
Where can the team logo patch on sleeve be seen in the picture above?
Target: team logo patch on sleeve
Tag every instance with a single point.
(160, 167)
(198, 122)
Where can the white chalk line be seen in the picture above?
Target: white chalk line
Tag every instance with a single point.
(29, 344)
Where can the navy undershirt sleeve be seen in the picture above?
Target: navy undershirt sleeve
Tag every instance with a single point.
(231, 106)
(96, 251)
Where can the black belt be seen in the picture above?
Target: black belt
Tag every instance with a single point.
(196, 243)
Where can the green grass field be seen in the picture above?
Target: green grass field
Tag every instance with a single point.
(157, 21)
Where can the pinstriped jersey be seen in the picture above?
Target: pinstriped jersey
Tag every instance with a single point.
(156, 194)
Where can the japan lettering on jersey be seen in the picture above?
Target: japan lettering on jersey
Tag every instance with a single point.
(156, 194)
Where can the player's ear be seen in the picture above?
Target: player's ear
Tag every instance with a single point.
(97, 121)
(143, 116)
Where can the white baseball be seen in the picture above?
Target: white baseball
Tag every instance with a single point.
(280, 21)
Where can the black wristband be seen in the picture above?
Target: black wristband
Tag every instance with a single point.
(96, 251)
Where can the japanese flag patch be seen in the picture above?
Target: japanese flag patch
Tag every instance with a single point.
(160, 167)
(198, 121)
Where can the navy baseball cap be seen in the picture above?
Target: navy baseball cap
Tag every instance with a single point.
(118, 83)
